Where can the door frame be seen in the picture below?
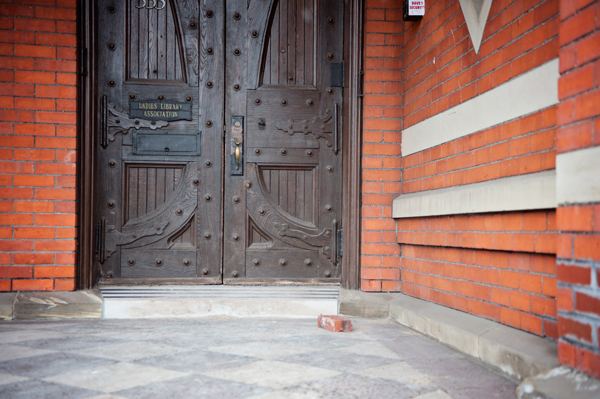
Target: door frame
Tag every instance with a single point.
(351, 142)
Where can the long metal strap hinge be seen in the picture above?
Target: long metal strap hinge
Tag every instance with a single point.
(340, 242)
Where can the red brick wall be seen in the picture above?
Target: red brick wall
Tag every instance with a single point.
(499, 266)
(381, 160)
(578, 268)
(37, 145)
(441, 69)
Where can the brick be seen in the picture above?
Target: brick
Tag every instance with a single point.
(55, 194)
(55, 245)
(27, 50)
(36, 25)
(335, 323)
(34, 180)
(34, 232)
(33, 285)
(15, 272)
(543, 306)
(55, 65)
(54, 142)
(12, 219)
(588, 104)
(65, 258)
(550, 329)
(35, 104)
(16, 116)
(587, 304)
(5, 285)
(55, 13)
(55, 220)
(579, 25)
(581, 331)
(574, 218)
(370, 285)
(28, 129)
(566, 351)
(64, 284)
(531, 283)
(587, 247)
(17, 10)
(531, 323)
(570, 274)
(574, 137)
(33, 258)
(509, 279)
(53, 271)
(8, 36)
(588, 48)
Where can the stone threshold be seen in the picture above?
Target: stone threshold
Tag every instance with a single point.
(131, 302)
(520, 356)
(218, 300)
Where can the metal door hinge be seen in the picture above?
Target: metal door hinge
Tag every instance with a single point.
(101, 240)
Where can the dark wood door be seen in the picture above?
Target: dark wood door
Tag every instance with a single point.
(218, 141)
(282, 215)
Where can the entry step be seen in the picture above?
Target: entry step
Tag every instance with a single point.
(131, 302)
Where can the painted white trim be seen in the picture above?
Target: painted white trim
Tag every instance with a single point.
(476, 20)
(517, 193)
(527, 93)
(578, 176)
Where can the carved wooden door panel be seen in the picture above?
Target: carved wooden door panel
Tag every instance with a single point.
(157, 156)
(218, 141)
(283, 96)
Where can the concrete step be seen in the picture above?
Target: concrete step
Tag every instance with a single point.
(515, 353)
(121, 302)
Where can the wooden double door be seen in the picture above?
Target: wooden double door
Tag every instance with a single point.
(218, 155)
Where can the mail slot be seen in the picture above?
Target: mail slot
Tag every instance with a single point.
(149, 142)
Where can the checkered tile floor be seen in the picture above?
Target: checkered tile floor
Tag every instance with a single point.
(242, 358)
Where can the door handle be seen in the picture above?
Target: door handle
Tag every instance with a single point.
(237, 155)
(237, 146)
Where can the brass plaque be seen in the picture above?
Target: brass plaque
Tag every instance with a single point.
(160, 110)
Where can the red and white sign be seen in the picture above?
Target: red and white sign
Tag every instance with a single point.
(416, 8)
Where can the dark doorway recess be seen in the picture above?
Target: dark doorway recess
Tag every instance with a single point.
(219, 141)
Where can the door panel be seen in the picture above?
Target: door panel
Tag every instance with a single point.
(153, 147)
(283, 214)
(219, 136)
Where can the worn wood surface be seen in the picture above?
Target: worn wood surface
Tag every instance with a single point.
(265, 60)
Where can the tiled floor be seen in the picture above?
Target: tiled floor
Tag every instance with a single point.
(234, 358)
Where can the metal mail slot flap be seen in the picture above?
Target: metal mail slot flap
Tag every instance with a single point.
(149, 142)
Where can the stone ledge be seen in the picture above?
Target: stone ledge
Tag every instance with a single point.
(51, 305)
(364, 304)
(514, 353)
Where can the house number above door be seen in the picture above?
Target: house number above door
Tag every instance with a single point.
(158, 4)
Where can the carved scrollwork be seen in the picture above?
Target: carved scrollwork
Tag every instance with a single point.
(119, 122)
(277, 223)
(164, 221)
(320, 127)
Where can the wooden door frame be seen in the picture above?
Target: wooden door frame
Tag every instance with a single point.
(351, 145)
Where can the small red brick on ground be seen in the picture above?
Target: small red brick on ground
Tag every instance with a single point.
(335, 323)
